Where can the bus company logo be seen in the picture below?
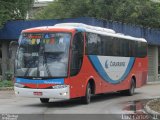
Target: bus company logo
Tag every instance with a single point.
(106, 64)
(114, 64)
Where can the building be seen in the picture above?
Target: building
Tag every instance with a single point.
(37, 6)
(11, 31)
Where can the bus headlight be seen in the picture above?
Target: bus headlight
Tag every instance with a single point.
(59, 86)
(18, 85)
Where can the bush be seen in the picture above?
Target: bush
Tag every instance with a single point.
(9, 75)
(6, 83)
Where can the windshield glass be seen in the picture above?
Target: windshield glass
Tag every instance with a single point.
(43, 55)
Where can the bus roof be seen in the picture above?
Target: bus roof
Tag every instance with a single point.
(87, 28)
(98, 30)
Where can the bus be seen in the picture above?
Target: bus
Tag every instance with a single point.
(75, 60)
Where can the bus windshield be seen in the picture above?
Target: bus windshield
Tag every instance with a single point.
(43, 55)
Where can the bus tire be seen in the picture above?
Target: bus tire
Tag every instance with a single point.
(87, 97)
(44, 100)
(131, 90)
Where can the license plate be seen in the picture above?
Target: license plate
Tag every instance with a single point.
(37, 93)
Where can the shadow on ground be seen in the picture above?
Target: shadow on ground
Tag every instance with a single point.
(78, 101)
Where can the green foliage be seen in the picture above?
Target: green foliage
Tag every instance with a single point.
(9, 75)
(13, 9)
(6, 83)
(141, 12)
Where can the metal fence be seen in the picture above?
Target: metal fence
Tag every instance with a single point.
(12, 29)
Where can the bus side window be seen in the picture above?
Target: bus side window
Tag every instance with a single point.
(77, 53)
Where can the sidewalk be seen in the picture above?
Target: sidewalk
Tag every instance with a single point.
(154, 82)
(6, 88)
(152, 107)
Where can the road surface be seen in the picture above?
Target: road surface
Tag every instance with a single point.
(110, 106)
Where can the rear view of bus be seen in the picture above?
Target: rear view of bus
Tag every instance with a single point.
(75, 60)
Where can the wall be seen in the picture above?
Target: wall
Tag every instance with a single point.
(12, 29)
(153, 63)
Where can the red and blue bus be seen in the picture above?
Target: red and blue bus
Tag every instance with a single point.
(74, 60)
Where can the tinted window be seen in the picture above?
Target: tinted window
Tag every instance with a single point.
(94, 45)
(141, 49)
(77, 53)
(107, 44)
(113, 46)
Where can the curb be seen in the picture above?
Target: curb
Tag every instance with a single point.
(155, 115)
(6, 88)
(153, 83)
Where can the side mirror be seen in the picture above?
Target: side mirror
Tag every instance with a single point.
(13, 48)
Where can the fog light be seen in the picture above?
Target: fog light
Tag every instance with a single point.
(16, 92)
(64, 94)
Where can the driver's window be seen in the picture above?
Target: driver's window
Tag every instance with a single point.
(77, 53)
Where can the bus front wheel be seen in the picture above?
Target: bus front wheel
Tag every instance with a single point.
(87, 97)
(44, 100)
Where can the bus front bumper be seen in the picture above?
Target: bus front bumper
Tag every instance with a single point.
(56, 93)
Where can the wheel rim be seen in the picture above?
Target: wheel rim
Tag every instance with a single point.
(132, 88)
(89, 94)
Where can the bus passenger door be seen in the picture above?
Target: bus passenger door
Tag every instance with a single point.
(76, 63)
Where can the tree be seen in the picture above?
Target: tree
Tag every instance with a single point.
(141, 12)
(13, 9)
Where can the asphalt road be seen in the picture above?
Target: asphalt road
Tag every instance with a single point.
(111, 106)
